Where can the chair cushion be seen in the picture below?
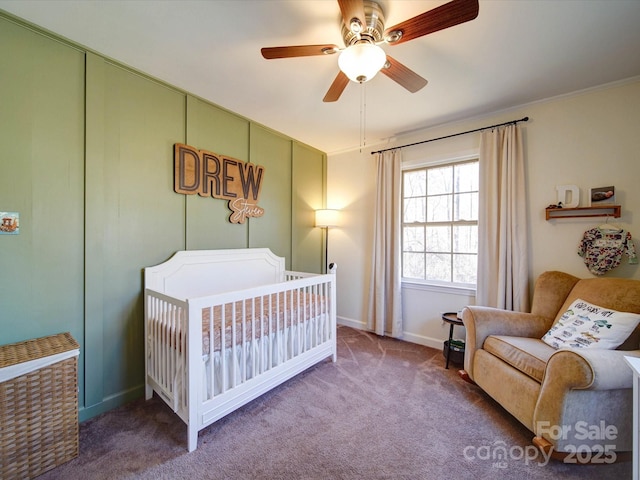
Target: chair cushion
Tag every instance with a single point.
(528, 355)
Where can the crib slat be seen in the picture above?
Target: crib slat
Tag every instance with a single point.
(287, 331)
(234, 372)
(243, 349)
(273, 335)
(308, 314)
(254, 339)
(163, 353)
(223, 342)
(322, 305)
(302, 338)
(262, 345)
(211, 388)
(279, 332)
(177, 354)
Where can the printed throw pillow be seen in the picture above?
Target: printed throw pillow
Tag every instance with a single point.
(585, 325)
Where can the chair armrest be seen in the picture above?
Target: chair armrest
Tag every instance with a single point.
(480, 322)
(609, 370)
(579, 369)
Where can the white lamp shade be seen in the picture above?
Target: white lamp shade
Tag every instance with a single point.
(327, 218)
(361, 62)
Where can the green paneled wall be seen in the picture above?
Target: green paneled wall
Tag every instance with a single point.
(216, 130)
(41, 178)
(308, 189)
(87, 160)
(136, 219)
(273, 229)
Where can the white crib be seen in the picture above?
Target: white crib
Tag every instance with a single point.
(222, 327)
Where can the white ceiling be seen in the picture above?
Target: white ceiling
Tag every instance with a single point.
(515, 52)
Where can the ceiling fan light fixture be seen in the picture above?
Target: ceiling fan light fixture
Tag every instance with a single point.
(362, 61)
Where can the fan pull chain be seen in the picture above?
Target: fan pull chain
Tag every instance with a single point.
(363, 116)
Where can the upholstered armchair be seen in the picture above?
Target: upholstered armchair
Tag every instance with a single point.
(570, 398)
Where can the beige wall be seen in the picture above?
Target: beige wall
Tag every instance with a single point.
(587, 139)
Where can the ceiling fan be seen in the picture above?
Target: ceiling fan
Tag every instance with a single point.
(363, 31)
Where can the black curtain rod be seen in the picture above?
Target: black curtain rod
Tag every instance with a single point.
(512, 122)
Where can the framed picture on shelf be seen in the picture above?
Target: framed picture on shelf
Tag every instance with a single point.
(602, 196)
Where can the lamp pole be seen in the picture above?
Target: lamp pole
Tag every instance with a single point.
(326, 218)
(326, 249)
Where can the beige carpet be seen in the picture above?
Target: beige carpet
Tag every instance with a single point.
(386, 410)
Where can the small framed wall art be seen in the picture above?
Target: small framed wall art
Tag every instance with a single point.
(602, 196)
(9, 223)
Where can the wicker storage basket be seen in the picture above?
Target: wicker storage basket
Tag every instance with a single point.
(38, 405)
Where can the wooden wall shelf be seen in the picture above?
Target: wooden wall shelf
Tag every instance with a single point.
(600, 211)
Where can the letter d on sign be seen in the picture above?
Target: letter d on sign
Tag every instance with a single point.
(187, 162)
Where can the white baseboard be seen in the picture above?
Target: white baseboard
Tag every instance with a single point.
(436, 343)
(350, 322)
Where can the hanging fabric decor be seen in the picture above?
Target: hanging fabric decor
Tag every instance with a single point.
(602, 248)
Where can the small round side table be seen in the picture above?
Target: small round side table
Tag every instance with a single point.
(452, 319)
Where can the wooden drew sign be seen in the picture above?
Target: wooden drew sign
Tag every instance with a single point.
(211, 175)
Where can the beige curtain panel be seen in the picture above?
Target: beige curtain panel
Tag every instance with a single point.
(502, 224)
(385, 301)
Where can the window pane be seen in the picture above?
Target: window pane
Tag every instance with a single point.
(465, 239)
(415, 183)
(413, 265)
(439, 239)
(465, 268)
(414, 210)
(413, 239)
(467, 178)
(439, 208)
(439, 180)
(440, 223)
(466, 206)
(438, 267)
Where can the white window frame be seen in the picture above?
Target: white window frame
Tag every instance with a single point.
(434, 285)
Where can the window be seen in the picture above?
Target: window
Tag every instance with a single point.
(440, 224)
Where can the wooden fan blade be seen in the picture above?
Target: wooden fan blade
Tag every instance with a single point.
(444, 16)
(352, 9)
(297, 51)
(406, 77)
(336, 88)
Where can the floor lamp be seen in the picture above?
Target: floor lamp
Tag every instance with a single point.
(326, 219)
